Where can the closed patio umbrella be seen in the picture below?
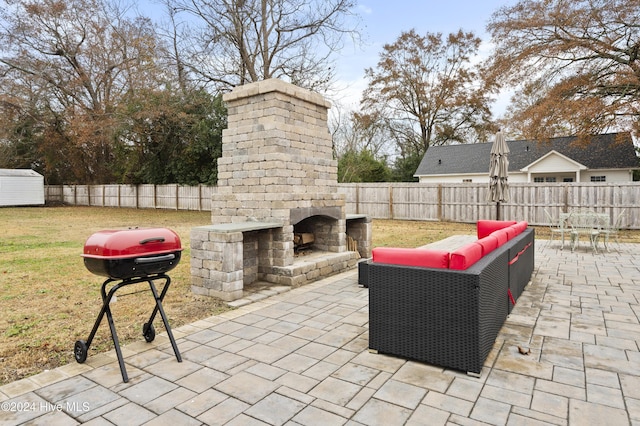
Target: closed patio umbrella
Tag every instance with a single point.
(499, 172)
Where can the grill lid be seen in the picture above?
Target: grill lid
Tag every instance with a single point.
(130, 243)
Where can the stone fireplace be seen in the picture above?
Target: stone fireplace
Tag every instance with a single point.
(277, 179)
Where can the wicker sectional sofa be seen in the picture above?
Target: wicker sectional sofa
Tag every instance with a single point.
(447, 308)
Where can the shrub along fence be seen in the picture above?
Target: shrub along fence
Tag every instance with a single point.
(459, 202)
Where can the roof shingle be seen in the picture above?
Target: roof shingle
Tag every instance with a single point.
(607, 151)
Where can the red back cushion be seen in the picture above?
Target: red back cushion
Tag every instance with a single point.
(486, 227)
(411, 257)
(465, 256)
(488, 243)
(511, 232)
(518, 227)
(522, 225)
(501, 235)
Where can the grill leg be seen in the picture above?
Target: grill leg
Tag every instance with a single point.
(105, 306)
(106, 300)
(159, 308)
(82, 348)
(116, 344)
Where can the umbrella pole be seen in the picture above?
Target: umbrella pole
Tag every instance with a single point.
(498, 210)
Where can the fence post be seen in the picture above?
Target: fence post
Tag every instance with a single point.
(391, 202)
(439, 213)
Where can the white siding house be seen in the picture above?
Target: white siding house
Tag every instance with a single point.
(608, 158)
(21, 187)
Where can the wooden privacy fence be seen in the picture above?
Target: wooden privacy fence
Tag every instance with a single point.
(174, 197)
(466, 202)
(459, 202)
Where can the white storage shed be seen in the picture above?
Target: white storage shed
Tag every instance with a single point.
(21, 187)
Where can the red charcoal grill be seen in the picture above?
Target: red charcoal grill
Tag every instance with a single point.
(127, 257)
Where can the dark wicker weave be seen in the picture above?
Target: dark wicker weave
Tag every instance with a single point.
(521, 261)
(446, 317)
(363, 272)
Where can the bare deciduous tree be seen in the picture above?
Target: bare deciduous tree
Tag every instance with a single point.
(356, 132)
(425, 87)
(77, 60)
(582, 58)
(234, 42)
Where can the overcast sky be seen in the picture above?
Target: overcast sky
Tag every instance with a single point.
(384, 20)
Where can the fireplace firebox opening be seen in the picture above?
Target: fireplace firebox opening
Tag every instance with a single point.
(316, 233)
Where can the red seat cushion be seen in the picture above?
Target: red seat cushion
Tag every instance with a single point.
(486, 227)
(411, 257)
(511, 232)
(488, 243)
(465, 256)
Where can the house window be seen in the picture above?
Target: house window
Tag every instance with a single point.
(598, 178)
(567, 180)
(544, 179)
(467, 180)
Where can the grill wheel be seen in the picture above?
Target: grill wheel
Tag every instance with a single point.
(80, 351)
(149, 332)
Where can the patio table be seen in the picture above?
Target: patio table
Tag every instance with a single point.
(586, 223)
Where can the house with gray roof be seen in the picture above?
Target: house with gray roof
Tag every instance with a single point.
(606, 158)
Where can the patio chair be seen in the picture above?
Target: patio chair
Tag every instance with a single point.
(584, 223)
(559, 228)
(611, 229)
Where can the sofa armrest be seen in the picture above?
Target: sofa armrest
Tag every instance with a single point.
(521, 262)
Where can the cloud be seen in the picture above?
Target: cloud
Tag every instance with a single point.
(363, 8)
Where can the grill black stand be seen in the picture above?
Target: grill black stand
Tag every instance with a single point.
(81, 347)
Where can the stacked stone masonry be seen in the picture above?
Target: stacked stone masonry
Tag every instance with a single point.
(277, 161)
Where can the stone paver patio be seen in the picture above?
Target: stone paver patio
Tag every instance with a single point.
(300, 357)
